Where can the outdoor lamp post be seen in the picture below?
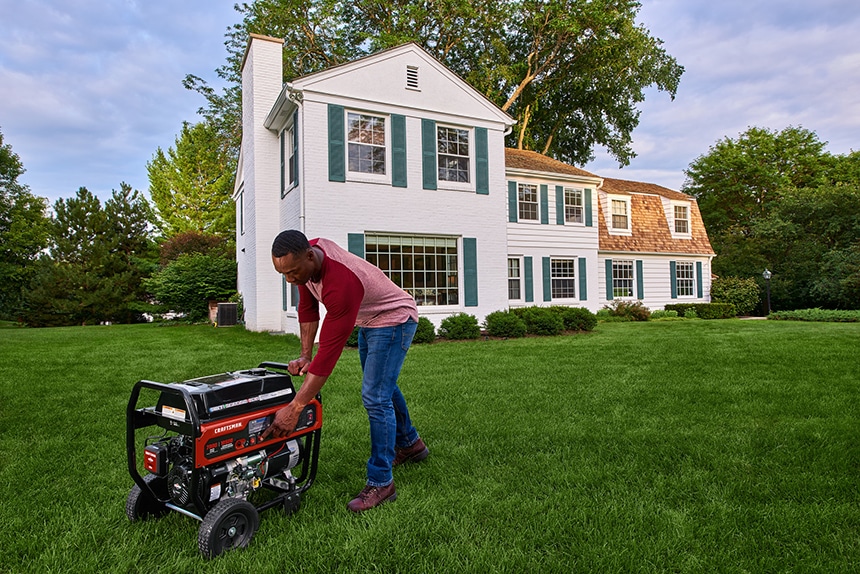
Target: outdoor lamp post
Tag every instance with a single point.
(767, 275)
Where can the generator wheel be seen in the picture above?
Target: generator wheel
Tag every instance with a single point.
(140, 504)
(230, 524)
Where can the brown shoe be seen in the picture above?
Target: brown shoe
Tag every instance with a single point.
(415, 453)
(372, 496)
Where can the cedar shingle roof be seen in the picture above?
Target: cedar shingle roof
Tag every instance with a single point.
(532, 160)
(649, 224)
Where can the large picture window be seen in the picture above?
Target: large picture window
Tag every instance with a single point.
(366, 138)
(528, 201)
(622, 278)
(453, 154)
(684, 278)
(423, 266)
(563, 278)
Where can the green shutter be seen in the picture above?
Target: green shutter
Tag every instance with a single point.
(583, 282)
(283, 172)
(512, 201)
(428, 153)
(559, 205)
(544, 205)
(673, 280)
(336, 146)
(547, 279)
(482, 162)
(355, 244)
(609, 295)
(529, 277)
(588, 208)
(295, 160)
(699, 289)
(294, 295)
(283, 293)
(470, 268)
(640, 285)
(398, 150)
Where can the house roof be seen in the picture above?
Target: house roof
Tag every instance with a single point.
(649, 225)
(534, 161)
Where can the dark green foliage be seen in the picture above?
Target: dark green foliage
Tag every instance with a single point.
(504, 324)
(425, 332)
(703, 310)
(460, 326)
(744, 294)
(663, 314)
(195, 242)
(187, 284)
(576, 318)
(825, 315)
(540, 320)
(629, 310)
(353, 338)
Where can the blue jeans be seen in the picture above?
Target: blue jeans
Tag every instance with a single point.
(382, 351)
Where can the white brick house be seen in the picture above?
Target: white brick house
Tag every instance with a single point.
(401, 161)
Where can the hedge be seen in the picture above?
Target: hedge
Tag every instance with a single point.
(704, 310)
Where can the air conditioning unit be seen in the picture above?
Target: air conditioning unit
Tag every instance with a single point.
(227, 314)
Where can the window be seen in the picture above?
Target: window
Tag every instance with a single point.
(563, 278)
(622, 278)
(423, 266)
(528, 201)
(514, 274)
(619, 214)
(684, 278)
(240, 204)
(366, 137)
(682, 219)
(572, 205)
(288, 160)
(453, 154)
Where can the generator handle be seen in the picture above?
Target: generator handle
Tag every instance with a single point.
(279, 366)
(131, 424)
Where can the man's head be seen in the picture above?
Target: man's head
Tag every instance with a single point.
(293, 257)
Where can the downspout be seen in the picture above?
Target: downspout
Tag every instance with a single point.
(297, 98)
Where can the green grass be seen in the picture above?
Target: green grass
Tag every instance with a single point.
(694, 446)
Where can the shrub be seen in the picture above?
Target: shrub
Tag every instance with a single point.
(744, 294)
(691, 314)
(576, 318)
(632, 311)
(504, 324)
(703, 310)
(187, 284)
(426, 332)
(353, 338)
(828, 315)
(663, 314)
(460, 326)
(540, 320)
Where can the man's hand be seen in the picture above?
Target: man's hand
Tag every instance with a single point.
(299, 366)
(285, 421)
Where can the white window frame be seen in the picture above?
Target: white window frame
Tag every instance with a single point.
(521, 203)
(675, 205)
(430, 287)
(570, 207)
(518, 278)
(362, 175)
(457, 185)
(610, 223)
(687, 279)
(555, 279)
(619, 265)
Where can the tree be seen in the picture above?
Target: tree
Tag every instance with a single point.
(23, 231)
(191, 185)
(187, 284)
(97, 259)
(570, 71)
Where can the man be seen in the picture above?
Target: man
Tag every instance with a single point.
(354, 292)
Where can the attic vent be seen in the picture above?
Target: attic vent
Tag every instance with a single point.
(412, 77)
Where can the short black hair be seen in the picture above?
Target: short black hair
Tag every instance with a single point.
(288, 242)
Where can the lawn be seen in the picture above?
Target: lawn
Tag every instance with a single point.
(683, 446)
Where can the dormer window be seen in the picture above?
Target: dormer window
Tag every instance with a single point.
(620, 214)
(682, 219)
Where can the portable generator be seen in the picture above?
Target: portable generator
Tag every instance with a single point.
(209, 460)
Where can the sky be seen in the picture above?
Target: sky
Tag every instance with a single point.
(89, 89)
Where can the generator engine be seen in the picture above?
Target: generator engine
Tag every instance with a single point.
(211, 458)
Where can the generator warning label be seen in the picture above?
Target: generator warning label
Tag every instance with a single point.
(172, 413)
